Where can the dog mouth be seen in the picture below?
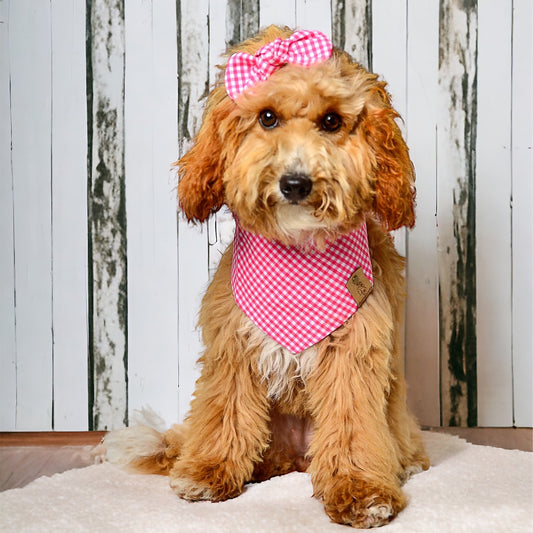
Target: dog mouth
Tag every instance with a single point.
(299, 220)
(297, 211)
(302, 197)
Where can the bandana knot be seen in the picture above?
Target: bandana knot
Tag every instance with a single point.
(303, 48)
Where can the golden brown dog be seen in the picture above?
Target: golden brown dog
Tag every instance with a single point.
(301, 158)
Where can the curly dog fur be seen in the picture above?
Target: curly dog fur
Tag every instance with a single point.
(336, 410)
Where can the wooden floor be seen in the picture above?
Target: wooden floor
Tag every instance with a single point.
(27, 456)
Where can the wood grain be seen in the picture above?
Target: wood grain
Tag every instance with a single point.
(352, 28)
(107, 217)
(457, 129)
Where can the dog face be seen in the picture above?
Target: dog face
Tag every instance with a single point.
(303, 156)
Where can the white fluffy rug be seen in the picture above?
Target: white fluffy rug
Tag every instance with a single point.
(468, 489)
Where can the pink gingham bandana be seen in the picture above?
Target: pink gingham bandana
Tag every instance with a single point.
(304, 48)
(294, 297)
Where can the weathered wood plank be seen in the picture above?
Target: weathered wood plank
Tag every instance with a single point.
(522, 217)
(457, 128)
(31, 164)
(351, 22)
(151, 147)
(107, 221)
(242, 20)
(8, 362)
(422, 311)
(69, 215)
(193, 85)
(493, 223)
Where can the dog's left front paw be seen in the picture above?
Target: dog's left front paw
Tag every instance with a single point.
(362, 505)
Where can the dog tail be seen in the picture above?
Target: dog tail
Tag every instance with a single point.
(144, 447)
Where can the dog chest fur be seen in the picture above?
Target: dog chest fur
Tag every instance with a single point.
(277, 366)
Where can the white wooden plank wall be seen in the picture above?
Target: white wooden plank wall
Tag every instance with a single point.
(150, 148)
(522, 214)
(8, 359)
(69, 216)
(422, 307)
(31, 160)
(493, 229)
(85, 344)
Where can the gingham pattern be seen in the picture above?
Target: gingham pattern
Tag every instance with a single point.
(304, 48)
(294, 297)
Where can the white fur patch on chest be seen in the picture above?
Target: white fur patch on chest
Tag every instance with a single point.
(276, 365)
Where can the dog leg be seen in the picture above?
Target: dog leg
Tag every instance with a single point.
(406, 433)
(355, 465)
(403, 426)
(389, 269)
(227, 431)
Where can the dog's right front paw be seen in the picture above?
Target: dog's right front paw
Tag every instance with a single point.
(194, 481)
(190, 490)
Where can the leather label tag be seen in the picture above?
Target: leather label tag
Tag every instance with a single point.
(359, 286)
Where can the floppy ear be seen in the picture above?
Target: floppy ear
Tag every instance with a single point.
(394, 200)
(200, 170)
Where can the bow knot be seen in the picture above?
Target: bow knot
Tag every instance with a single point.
(303, 48)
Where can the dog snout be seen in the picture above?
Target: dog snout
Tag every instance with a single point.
(295, 186)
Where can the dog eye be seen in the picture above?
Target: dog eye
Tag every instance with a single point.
(331, 122)
(268, 119)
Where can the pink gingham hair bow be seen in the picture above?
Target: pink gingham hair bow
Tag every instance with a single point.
(303, 48)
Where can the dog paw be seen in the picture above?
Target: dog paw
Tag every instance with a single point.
(378, 515)
(190, 491)
(197, 482)
(419, 463)
(410, 471)
(364, 506)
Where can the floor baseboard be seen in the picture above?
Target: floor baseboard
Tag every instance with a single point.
(51, 438)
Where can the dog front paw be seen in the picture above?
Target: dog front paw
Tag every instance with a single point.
(200, 483)
(418, 463)
(189, 490)
(362, 505)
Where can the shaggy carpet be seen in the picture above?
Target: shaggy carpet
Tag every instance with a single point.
(467, 489)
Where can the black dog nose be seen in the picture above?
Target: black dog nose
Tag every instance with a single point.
(295, 186)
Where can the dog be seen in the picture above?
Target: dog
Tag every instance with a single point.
(300, 142)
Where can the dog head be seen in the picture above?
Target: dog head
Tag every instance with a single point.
(302, 156)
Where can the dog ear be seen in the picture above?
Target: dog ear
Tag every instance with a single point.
(201, 169)
(394, 201)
